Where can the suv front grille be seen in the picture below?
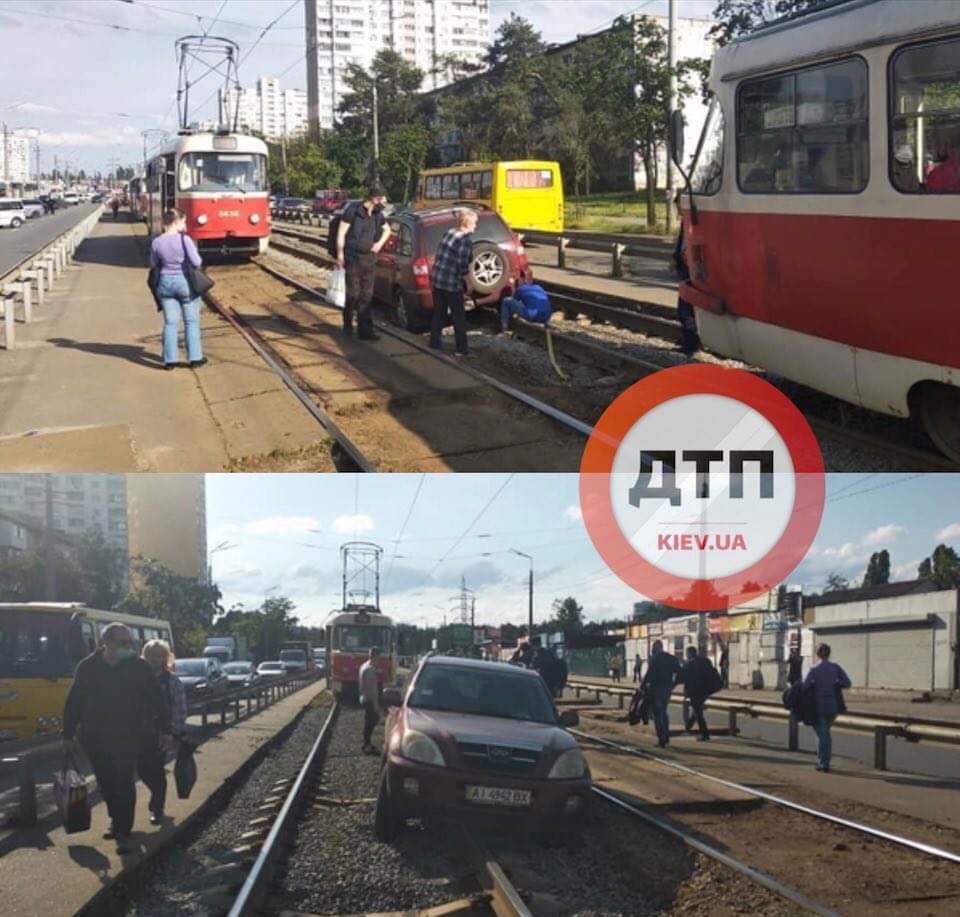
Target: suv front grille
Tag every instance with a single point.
(501, 758)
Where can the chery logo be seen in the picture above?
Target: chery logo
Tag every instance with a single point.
(702, 487)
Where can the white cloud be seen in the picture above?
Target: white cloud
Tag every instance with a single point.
(33, 106)
(905, 571)
(883, 534)
(282, 525)
(353, 525)
(573, 513)
(949, 532)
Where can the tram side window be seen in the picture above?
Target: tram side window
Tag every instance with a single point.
(707, 174)
(804, 132)
(925, 119)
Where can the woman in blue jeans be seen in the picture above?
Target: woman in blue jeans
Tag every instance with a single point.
(168, 252)
(827, 680)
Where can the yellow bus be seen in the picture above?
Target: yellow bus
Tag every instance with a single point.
(40, 646)
(527, 193)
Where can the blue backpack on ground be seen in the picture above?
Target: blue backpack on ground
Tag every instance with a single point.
(536, 303)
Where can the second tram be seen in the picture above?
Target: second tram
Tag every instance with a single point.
(219, 180)
(350, 636)
(822, 219)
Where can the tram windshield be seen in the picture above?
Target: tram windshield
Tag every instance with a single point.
(358, 638)
(707, 171)
(222, 172)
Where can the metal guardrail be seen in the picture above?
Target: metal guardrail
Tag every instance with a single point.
(605, 244)
(304, 217)
(881, 727)
(38, 271)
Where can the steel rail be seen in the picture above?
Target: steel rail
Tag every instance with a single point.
(761, 878)
(536, 404)
(251, 893)
(505, 900)
(321, 416)
(897, 839)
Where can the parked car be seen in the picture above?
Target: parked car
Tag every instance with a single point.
(34, 208)
(474, 738)
(12, 212)
(241, 674)
(320, 662)
(402, 280)
(329, 200)
(70, 197)
(293, 203)
(270, 671)
(203, 678)
(98, 198)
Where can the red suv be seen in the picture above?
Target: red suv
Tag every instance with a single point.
(480, 739)
(327, 200)
(403, 266)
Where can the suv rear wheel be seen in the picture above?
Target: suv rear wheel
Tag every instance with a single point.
(405, 315)
(488, 268)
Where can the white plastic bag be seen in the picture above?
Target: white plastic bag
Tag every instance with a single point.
(337, 288)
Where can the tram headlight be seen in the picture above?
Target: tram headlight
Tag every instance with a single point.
(202, 219)
(254, 218)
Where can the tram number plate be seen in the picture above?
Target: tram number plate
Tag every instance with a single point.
(229, 213)
(498, 796)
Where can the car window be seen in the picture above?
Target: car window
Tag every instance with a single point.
(484, 692)
(190, 667)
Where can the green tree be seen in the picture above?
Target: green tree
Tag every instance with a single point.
(733, 18)
(402, 156)
(308, 168)
(878, 569)
(943, 567)
(158, 592)
(567, 614)
(836, 583)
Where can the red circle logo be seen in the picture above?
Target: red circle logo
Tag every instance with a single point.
(702, 487)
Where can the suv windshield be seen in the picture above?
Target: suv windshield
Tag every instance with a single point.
(490, 228)
(238, 668)
(483, 692)
(191, 667)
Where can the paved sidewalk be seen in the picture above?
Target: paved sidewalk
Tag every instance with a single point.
(44, 871)
(85, 389)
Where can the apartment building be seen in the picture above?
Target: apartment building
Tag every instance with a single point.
(344, 32)
(266, 108)
(14, 158)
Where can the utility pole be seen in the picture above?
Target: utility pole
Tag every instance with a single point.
(283, 150)
(376, 134)
(6, 157)
(49, 559)
(671, 64)
(530, 608)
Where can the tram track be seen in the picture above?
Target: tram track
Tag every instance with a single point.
(898, 447)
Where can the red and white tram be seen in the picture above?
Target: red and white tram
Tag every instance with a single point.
(137, 198)
(219, 180)
(350, 635)
(825, 208)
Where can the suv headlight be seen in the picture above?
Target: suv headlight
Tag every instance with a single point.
(571, 765)
(419, 747)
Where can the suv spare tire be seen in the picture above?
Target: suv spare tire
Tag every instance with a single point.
(488, 268)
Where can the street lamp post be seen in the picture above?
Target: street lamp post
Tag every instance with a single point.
(223, 546)
(530, 609)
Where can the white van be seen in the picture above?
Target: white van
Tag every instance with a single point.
(12, 212)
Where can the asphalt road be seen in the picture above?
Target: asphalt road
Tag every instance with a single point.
(17, 244)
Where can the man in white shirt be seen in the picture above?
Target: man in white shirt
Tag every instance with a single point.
(369, 687)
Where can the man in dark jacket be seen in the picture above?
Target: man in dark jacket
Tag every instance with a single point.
(662, 674)
(700, 680)
(547, 664)
(114, 702)
(794, 667)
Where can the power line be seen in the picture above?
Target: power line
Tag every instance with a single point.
(403, 528)
(197, 16)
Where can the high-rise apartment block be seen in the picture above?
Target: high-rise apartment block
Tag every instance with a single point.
(424, 32)
(266, 109)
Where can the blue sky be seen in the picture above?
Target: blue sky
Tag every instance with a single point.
(285, 532)
(90, 75)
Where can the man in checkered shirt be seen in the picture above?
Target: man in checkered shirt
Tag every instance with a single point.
(450, 268)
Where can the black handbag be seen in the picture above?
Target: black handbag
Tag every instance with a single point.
(153, 281)
(197, 280)
(185, 770)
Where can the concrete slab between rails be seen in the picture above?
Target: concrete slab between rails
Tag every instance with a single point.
(654, 784)
(90, 378)
(52, 874)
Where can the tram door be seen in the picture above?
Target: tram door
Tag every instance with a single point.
(169, 183)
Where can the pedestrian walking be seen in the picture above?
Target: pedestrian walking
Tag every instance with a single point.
(663, 671)
(451, 264)
(827, 680)
(169, 252)
(114, 700)
(562, 675)
(794, 667)
(725, 667)
(361, 233)
(115, 207)
(615, 665)
(152, 760)
(369, 686)
(637, 668)
(700, 680)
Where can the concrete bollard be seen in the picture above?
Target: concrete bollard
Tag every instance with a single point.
(35, 276)
(793, 733)
(617, 259)
(880, 748)
(562, 244)
(9, 334)
(28, 792)
(732, 721)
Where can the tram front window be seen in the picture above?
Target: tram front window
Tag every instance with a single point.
(925, 128)
(357, 638)
(222, 172)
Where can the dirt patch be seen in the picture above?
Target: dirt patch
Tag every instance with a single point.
(316, 457)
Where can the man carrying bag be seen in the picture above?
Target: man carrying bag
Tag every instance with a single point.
(70, 793)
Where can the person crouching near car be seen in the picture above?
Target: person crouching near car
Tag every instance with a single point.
(113, 701)
(449, 277)
(168, 252)
(363, 231)
(369, 687)
(152, 760)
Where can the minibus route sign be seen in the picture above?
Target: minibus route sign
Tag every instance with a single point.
(702, 487)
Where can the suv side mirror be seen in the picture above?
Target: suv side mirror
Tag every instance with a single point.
(569, 718)
(676, 137)
(392, 698)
